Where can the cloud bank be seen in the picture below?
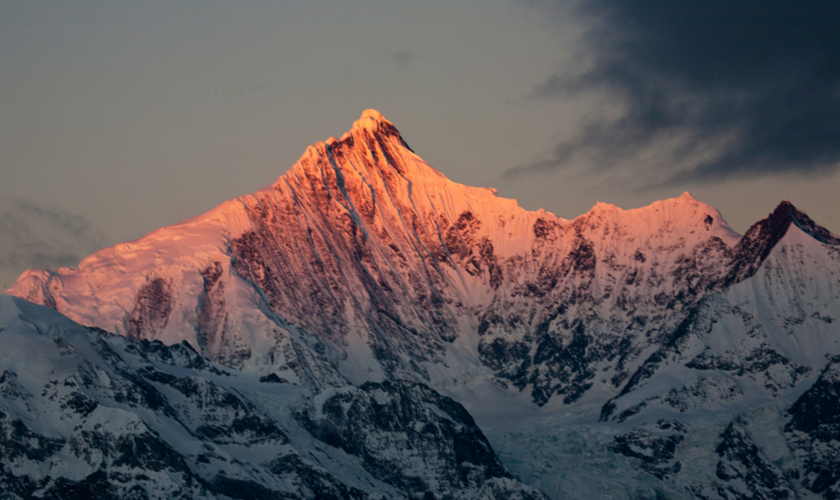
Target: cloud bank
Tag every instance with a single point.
(722, 89)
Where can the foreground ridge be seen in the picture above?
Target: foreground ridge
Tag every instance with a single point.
(122, 418)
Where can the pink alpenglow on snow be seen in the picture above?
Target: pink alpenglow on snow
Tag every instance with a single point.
(362, 262)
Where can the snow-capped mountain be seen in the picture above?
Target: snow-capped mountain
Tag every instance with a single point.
(86, 414)
(658, 329)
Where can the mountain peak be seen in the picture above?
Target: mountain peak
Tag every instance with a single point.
(786, 206)
(762, 237)
(372, 121)
(786, 210)
(369, 116)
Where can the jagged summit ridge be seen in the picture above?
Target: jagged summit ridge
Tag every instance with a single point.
(372, 150)
(763, 236)
(786, 214)
(803, 222)
(362, 262)
(363, 276)
(371, 120)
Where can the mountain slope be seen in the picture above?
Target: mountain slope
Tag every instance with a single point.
(363, 264)
(84, 413)
(364, 254)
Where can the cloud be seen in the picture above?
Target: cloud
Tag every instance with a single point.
(34, 236)
(721, 88)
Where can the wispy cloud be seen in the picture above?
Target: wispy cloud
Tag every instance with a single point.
(34, 236)
(733, 88)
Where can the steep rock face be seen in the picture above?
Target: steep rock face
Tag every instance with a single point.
(599, 291)
(151, 310)
(364, 263)
(814, 430)
(69, 427)
(392, 423)
(743, 471)
(84, 414)
(734, 377)
(760, 337)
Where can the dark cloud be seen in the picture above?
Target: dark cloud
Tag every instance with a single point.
(747, 88)
(33, 236)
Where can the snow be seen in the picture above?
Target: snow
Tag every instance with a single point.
(364, 263)
(49, 362)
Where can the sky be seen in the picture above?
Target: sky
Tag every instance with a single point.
(117, 118)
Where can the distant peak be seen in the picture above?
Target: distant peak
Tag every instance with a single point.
(787, 211)
(686, 196)
(760, 239)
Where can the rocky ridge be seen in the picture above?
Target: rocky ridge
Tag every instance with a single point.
(84, 413)
(364, 265)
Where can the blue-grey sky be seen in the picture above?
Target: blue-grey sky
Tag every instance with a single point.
(120, 117)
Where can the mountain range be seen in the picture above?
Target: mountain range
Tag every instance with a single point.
(365, 326)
